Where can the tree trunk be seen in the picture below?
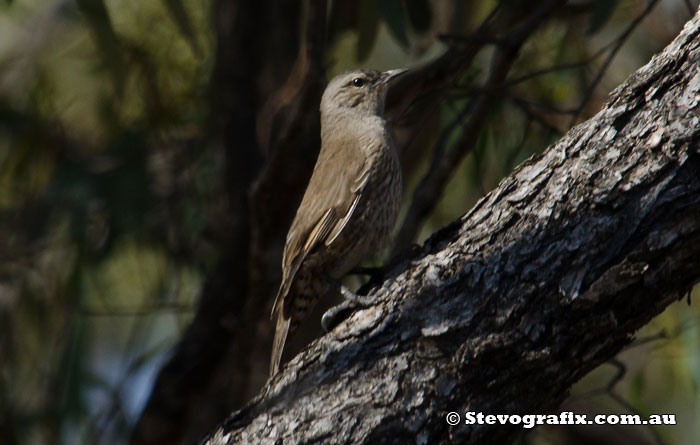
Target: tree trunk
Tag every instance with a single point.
(501, 312)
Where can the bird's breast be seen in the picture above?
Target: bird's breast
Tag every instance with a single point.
(372, 221)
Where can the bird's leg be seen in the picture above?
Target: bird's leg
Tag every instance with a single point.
(347, 294)
(333, 316)
(376, 277)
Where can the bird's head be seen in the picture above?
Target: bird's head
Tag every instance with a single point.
(362, 91)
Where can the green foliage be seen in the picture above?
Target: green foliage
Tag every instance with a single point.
(393, 14)
(184, 24)
(367, 28)
(602, 12)
(110, 52)
(419, 14)
(112, 182)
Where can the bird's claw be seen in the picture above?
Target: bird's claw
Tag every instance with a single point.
(333, 316)
(337, 314)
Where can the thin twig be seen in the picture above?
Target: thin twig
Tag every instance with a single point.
(528, 108)
(608, 60)
(443, 165)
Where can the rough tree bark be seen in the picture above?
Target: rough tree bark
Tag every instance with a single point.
(547, 277)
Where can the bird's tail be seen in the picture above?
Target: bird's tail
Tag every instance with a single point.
(281, 331)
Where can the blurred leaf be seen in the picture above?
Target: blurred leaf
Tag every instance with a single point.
(341, 17)
(70, 370)
(113, 186)
(484, 142)
(182, 19)
(107, 40)
(602, 11)
(392, 13)
(367, 27)
(419, 13)
(458, 22)
(126, 187)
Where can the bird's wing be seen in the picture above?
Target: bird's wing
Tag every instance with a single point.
(281, 331)
(357, 189)
(282, 305)
(291, 265)
(333, 197)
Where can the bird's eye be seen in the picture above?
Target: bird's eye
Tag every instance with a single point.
(358, 82)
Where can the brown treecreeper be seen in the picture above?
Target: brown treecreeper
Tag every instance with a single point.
(350, 204)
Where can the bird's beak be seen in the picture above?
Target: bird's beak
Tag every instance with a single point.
(388, 76)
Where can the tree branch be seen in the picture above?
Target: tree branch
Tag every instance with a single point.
(443, 165)
(547, 277)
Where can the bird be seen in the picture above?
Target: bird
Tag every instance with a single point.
(350, 204)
